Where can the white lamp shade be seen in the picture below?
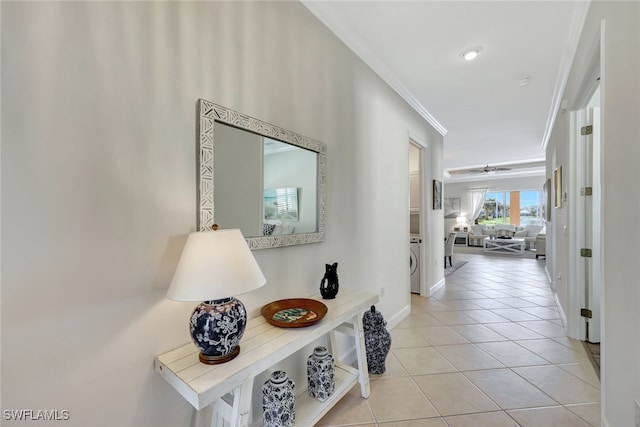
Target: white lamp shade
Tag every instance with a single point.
(461, 219)
(215, 265)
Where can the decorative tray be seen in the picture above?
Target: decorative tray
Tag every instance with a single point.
(294, 312)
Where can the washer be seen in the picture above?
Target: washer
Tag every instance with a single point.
(414, 262)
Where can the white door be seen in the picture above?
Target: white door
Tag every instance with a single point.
(586, 251)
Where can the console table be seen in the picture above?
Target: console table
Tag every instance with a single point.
(513, 245)
(226, 388)
(462, 238)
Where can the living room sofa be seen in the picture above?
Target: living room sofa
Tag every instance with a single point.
(530, 233)
(477, 233)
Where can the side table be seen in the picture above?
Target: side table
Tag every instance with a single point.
(462, 238)
(226, 388)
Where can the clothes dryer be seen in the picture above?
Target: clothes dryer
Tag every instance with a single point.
(414, 263)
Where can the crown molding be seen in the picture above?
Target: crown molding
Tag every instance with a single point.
(344, 33)
(577, 23)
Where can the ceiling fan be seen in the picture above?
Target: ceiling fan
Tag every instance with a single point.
(488, 169)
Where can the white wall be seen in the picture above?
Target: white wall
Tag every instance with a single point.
(98, 184)
(620, 98)
(557, 257)
(381, 216)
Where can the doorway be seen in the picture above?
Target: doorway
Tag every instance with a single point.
(415, 216)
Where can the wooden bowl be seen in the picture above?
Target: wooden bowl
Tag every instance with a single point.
(294, 312)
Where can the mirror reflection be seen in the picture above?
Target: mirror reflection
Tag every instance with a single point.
(267, 181)
(263, 186)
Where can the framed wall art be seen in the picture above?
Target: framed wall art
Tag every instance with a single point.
(437, 194)
(557, 183)
(546, 200)
(452, 208)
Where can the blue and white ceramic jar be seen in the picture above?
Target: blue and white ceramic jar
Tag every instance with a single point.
(321, 374)
(216, 328)
(377, 340)
(279, 401)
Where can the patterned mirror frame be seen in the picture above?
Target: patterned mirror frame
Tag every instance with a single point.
(208, 114)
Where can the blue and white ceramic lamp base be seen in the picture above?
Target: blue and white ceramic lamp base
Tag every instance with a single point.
(216, 328)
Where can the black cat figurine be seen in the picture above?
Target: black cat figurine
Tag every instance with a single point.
(329, 283)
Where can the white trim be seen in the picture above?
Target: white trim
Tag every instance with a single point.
(435, 288)
(563, 316)
(491, 177)
(576, 326)
(577, 22)
(546, 270)
(348, 357)
(368, 57)
(399, 317)
(417, 140)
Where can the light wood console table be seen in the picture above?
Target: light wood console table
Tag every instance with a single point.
(226, 388)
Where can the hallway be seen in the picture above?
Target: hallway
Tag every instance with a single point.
(488, 350)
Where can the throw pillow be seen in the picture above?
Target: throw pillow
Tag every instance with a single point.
(477, 230)
(267, 229)
(533, 230)
(522, 233)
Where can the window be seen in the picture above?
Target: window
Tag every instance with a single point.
(512, 207)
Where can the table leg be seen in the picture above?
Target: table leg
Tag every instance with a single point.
(241, 404)
(234, 409)
(363, 368)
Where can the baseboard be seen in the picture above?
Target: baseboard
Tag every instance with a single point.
(399, 317)
(435, 288)
(563, 316)
(349, 357)
(546, 270)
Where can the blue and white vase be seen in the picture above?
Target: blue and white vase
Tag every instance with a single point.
(216, 328)
(377, 340)
(321, 374)
(279, 401)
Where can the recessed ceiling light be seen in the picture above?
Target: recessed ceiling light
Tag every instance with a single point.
(471, 53)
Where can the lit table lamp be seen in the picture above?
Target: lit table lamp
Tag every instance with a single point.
(215, 266)
(461, 220)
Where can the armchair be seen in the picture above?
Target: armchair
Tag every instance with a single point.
(530, 234)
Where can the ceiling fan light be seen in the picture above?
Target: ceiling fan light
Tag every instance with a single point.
(471, 53)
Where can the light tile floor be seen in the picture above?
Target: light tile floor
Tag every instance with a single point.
(487, 350)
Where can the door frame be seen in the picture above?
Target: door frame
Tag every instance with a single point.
(423, 217)
(576, 324)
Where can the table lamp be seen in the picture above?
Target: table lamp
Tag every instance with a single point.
(214, 267)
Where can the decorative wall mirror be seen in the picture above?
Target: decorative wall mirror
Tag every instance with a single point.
(267, 181)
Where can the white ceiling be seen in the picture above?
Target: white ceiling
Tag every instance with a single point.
(487, 117)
